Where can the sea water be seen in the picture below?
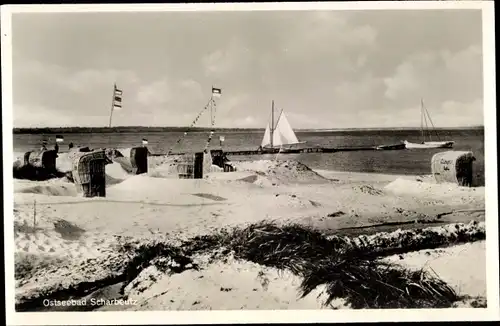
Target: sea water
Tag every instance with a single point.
(413, 162)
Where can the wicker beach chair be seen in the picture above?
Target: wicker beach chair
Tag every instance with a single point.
(453, 167)
(45, 159)
(27, 158)
(89, 173)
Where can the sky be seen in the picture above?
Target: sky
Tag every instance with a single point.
(325, 69)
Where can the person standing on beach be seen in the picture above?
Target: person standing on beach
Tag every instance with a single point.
(59, 139)
(144, 144)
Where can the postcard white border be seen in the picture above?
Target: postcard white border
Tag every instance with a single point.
(276, 316)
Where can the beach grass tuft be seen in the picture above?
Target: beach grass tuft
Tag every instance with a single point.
(374, 284)
(166, 257)
(346, 271)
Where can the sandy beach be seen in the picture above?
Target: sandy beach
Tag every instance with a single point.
(72, 247)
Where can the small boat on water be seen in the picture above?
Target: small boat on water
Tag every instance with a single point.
(430, 144)
(424, 120)
(279, 137)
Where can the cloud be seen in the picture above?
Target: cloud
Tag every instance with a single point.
(231, 64)
(404, 81)
(445, 114)
(164, 91)
(330, 37)
(232, 102)
(241, 109)
(170, 102)
(192, 87)
(66, 93)
(247, 122)
(439, 76)
(36, 115)
(411, 76)
(80, 81)
(360, 94)
(464, 114)
(86, 80)
(155, 93)
(303, 120)
(327, 69)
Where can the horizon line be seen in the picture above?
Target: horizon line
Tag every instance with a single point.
(237, 128)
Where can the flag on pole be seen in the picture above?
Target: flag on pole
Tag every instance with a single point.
(117, 99)
(59, 139)
(216, 92)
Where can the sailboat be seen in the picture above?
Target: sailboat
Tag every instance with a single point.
(279, 136)
(424, 116)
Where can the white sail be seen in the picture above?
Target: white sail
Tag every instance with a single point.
(266, 140)
(284, 134)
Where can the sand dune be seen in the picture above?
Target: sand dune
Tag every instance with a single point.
(448, 263)
(282, 171)
(229, 285)
(70, 230)
(439, 191)
(48, 188)
(120, 169)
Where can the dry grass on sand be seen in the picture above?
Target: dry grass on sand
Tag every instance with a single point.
(343, 267)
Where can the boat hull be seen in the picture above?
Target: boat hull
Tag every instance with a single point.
(290, 150)
(430, 144)
(391, 147)
(269, 150)
(287, 148)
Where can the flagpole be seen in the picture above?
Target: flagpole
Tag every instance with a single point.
(211, 107)
(272, 124)
(112, 105)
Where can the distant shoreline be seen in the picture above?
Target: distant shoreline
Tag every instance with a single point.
(142, 129)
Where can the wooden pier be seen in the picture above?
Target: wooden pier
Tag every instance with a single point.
(296, 151)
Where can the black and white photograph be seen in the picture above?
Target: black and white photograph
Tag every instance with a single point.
(265, 162)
